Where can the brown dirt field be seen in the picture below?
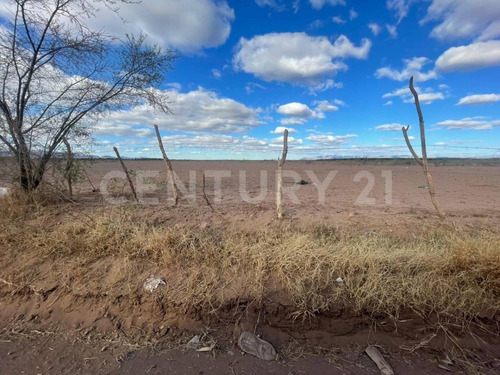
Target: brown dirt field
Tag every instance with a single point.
(54, 325)
(468, 194)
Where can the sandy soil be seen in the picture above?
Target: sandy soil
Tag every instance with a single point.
(394, 195)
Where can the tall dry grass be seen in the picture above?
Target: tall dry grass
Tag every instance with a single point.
(443, 271)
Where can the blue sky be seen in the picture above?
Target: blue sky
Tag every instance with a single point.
(334, 72)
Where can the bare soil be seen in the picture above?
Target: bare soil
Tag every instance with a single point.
(46, 330)
(470, 195)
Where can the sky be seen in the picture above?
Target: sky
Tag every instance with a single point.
(333, 72)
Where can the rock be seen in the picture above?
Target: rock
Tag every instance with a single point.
(302, 182)
(251, 344)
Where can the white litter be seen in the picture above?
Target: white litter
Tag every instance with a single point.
(255, 346)
(194, 342)
(4, 191)
(151, 284)
(376, 356)
(339, 280)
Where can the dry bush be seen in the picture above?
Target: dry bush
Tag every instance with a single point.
(444, 272)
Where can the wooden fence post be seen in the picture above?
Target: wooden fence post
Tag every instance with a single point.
(423, 161)
(279, 177)
(126, 174)
(169, 167)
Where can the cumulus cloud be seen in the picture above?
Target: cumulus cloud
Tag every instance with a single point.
(394, 127)
(353, 14)
(469, 123)
(296, 58)
(413, 67)
(425, 96)
(195, 111)
(299, 113)
(374, 28)
(325, 106)
(318, 4)
(187, 25)
(478, 19)
(281, 130)
(470, 57)
(296, 110)
(479, 99)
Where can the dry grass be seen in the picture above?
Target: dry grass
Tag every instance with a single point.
(445, 271)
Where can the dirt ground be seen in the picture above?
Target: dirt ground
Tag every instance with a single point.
(378, 198)
(383, 196)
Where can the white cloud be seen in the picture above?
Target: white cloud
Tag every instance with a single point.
(194, 111)
(470, 57)
(296, 58)
(428, 97)
(318, 4)
(325, 140)
(216, 73)
(276, 4)
(281, 130)
(479, 99)
(292, 121)
(400, 7)
(393, 31)
(252, 86)
(278, 141)
(316, 24)
(389, 102)
(325, 106)
(353, 14)
(469, 123)
(375, 28)
(323, 86)
(478, 19)
(299, 113)
(338, 20)
(121, 130)
(394, 127)
(425, 96)
(187, 25)
(413, 67)
(296, 110)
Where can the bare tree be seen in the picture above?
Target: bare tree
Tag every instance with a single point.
(58, 76)
(423, 162)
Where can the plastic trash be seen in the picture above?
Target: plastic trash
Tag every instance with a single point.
(194, 342)
(151, 284)
(339, 280)
(255, 346)
(4, 191)
(376, 356)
